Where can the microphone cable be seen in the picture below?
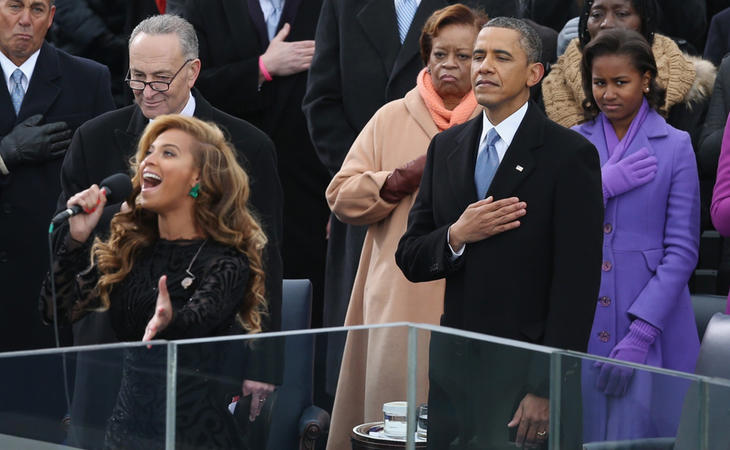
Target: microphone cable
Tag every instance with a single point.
(54, 303)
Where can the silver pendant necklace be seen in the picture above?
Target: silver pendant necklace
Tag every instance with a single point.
(188, 280)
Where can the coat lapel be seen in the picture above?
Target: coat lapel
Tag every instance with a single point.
(44, 85)
(127, 139)
(237, 13)
(291, 7)
(7, 113)
(518, 162)
(378, 21)
(461, 161)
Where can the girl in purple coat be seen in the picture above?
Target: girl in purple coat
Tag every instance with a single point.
(651, 237)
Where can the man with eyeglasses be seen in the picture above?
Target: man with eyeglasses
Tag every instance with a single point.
(163, 68)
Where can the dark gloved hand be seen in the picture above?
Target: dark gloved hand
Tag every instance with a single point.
(29, 142)
(403, 181)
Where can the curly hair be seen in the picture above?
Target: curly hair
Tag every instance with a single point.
(620, 42)
(456, 14)
(220, 211)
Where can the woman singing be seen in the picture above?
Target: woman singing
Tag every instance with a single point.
(183, 261)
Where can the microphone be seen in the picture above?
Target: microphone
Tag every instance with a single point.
(117, 188)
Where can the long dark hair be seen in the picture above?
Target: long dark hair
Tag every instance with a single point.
(620, 42)
(648, 11)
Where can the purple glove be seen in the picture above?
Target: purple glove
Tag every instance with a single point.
(614, 380)
(622, 175)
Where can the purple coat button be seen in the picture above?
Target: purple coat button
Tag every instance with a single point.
(604, 336)
(605, 301)
(607, 228)
(606, 266)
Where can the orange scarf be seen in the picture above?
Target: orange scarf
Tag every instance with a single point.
(442, 117)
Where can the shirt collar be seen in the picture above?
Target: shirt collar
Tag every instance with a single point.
(506, 128)
(27, 67)
(189, 108)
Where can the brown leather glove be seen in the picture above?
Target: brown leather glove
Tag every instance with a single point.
(403, 181)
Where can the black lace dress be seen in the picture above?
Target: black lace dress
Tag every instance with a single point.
(207, 307)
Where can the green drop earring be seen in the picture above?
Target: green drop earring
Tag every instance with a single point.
(195, 191)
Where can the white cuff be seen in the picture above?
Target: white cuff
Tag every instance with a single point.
(454, 255)
(3, 169)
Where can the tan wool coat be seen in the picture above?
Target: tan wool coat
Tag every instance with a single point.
(374, 365)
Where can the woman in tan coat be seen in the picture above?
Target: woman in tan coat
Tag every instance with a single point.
(376, 186)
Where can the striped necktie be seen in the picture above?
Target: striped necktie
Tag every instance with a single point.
(17, 93)
(405, 10)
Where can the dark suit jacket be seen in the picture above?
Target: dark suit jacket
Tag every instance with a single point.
(718, 37)
(232, 35)
(538, 283)
(359, 65)
(62, 88)
(708, 149)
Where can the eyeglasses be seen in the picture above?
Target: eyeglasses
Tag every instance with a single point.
(159, 86)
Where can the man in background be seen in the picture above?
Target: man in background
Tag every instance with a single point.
(45, 94)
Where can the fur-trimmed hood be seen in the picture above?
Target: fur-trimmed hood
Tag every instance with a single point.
(687, 79)
(705, 74)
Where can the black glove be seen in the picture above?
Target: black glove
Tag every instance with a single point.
(33, 143)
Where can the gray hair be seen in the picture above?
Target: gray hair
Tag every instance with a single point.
(529, 39)
(169, 24)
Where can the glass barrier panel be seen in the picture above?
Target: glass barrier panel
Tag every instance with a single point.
(485, 392)
(370, 407)
(629, 406)
(110, 396)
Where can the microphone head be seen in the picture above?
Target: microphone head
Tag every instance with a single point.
(117, 187)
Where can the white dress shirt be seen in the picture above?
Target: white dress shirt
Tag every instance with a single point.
(506, 130)
(27, 68)
(189, 108)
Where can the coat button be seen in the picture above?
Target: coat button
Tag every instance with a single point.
(604, 336)
(607, 228)
(606, 266)
(605, 301)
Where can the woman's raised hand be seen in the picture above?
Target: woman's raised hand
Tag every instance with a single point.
(163, 311)
(92, 201)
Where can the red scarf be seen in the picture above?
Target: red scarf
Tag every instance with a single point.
(442, 117)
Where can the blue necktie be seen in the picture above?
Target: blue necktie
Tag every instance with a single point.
(405, 10)
(487, 163)
(273, 17)
(17, 93)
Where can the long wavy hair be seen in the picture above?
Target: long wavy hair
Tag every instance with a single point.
(220, 211)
